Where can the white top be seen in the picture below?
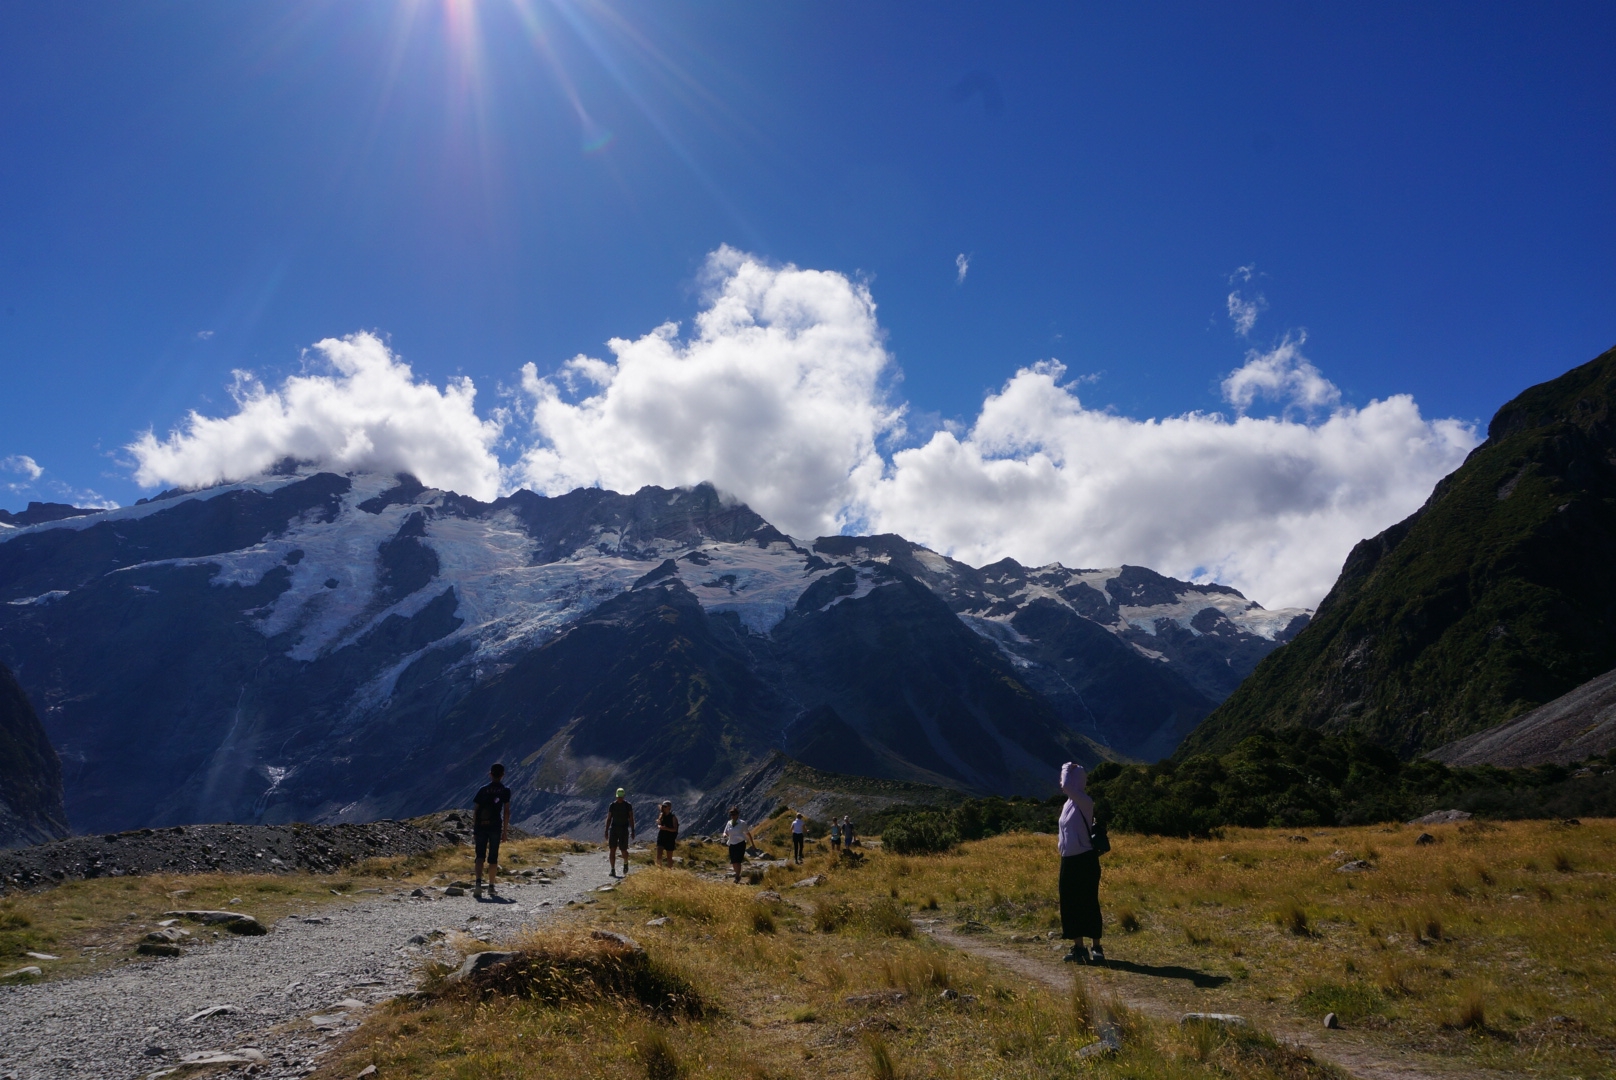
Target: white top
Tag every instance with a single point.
(735, 831)
(796, 825)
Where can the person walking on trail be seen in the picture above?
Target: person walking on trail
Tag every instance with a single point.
(667, 837)
(835, 838)
(490, 820)
(848, 834)
(619, 830)
(1079, 868)
(737, 834)
(797, 827)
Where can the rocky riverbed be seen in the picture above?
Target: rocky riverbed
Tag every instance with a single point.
(239, 849)
(273, 1005)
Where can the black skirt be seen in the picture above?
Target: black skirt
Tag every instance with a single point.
(1080, 896)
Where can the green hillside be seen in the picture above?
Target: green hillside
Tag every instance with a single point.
(1498, 595)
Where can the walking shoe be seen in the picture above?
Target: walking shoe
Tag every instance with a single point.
(477, 891)
(1078, 955)
(1096, 955)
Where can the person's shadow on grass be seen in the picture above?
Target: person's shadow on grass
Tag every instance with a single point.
(1201, 979)
(495, 899)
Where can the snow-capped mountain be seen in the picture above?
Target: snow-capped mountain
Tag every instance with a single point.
(347, 647)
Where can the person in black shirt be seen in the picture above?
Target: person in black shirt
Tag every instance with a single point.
(491, 817)
(619, 830)
(667, 834)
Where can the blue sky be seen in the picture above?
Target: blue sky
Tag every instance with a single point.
(189, 188)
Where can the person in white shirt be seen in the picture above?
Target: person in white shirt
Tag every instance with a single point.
(737, 834)
(797, 827)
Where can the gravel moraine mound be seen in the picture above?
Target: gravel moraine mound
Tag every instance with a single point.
(237, 849)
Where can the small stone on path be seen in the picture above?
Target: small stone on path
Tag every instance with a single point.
(210, 1010)
(659, 921)
(42, 956)
(1425, 838)
(1331, 1022)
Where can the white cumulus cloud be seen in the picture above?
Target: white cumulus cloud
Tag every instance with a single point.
(366, 411)
(962, 266)
(1270, 506)
(780, 393)
(1282, 374)
(22, 465)
(777, 395)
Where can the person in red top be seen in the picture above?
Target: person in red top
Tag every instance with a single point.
(491, 818)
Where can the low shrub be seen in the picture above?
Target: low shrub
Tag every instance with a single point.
(919, 834)
(559, 969)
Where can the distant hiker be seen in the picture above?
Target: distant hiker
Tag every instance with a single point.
(835, 837)
(490, 819)
(619, 830)
(737, 834)
(1079, 868)
(667, 836)
(797, 827)
(849, 835)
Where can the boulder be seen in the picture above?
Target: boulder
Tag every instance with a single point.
(157, 948)
(233, 921)
(479, 961)
(619, 939)
(1442, 817)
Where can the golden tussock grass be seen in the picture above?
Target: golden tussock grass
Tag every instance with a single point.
(1251, 923)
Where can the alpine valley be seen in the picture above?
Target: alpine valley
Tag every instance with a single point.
(323, 647)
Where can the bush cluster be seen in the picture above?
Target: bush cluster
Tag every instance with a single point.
(1301, 777)
(917, 830)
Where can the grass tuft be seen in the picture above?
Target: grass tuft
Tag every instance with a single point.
(658, 1057)
(1293, 917)
(1472, 1011)
(1128, 919)
(881, 1066)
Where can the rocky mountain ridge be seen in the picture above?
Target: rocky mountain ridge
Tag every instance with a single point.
(1495, 597)
(341, 648)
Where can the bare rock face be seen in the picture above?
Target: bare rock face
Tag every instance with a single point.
(30, 773)
(1570, 728)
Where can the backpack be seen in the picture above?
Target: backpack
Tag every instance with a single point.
(1099, 839)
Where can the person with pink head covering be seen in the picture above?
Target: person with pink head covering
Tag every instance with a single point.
(1079, 869)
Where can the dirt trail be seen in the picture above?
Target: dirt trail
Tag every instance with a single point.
(1141, 991)
(289, 996)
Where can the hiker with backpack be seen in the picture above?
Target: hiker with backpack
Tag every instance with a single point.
(1082, 842)
(491, 820)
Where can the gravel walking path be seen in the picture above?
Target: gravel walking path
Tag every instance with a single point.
(286, 997)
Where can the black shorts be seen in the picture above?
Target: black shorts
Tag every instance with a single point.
(486, 840)
(667, 840)
(618, 838)
(737, 852)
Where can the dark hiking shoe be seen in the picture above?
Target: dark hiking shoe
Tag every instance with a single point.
(1078, 955)
(1096, 955)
